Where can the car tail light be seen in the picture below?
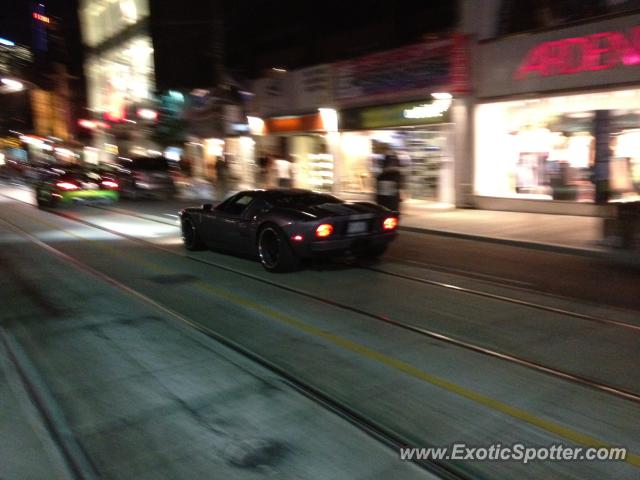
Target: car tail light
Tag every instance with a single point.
(390, 223)
(324, 230)
(297, 238)
(110, 184)
(67, 186)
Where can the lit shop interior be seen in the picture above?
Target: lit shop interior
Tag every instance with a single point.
(544, 148)
(121, 75)
(424, 155)
(313, 163)
(311, 142)
(237, 152)
(102, 19)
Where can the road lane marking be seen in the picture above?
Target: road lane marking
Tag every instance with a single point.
(550, 426)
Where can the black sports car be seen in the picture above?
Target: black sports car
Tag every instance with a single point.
(281, 226)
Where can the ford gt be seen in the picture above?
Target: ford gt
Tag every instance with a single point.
(282, 226)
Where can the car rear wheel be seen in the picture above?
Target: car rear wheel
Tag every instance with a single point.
(274, 251)
(45, 201)
(190, 236)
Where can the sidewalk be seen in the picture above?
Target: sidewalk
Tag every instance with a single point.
(564, 232)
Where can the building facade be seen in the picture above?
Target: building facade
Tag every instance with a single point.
(556, 119)
(408, 100)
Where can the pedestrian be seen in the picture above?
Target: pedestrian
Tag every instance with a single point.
(284, 171)
(389, 183)
(222, 174)
(263, 171)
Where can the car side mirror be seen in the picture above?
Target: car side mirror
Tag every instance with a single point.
(207, 207)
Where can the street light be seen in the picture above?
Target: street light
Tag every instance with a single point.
(12, 85)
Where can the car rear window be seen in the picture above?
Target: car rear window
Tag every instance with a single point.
(309, 199)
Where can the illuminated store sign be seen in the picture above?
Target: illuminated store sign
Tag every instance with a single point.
(441, 103)
(599, 51)
(42, 18)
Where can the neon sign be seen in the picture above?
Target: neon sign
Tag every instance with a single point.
(600, 51)
(42, 18)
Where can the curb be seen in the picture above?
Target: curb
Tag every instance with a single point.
(614, 256)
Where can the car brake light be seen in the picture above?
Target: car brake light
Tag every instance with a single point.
(109, 184)
(297, 238)
(390, 223)
(324, 230)
(67, 186)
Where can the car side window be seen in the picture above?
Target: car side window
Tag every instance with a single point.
(238, 205)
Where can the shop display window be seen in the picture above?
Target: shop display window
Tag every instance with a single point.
(546, 148)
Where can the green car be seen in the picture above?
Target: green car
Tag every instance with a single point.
(66, 185)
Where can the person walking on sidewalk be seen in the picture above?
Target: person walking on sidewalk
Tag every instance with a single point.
(222, 177)
(389, 183)
(284, 170)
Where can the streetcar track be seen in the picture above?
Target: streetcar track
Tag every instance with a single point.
(511, 284)
(367, 425)
(494, 296)
(482, 277)
(471, 291)
(507, 283)
(536, 366)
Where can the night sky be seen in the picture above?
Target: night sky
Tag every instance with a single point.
(14, 21)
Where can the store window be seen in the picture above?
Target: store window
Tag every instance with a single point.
(313, 164)
(545, 148)
(121, 75)
(104, 19)
(423, 153)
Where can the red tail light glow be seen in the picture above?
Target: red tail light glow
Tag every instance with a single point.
(67, 186)
(324, 230)
(110, 184)
(297, 238)
(390, 223)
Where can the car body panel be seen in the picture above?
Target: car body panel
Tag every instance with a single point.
(88, 186)
(89, 195)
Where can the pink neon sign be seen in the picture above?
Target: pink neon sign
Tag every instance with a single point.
(600, 51)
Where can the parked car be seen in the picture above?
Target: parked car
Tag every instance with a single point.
(148, 177)
(281, 226)
(68, 184)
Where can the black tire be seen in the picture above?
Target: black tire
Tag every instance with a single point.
(190, 236)
(45, 204)
(274, 251)
(372, 253)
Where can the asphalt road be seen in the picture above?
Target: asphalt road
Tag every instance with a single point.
(435, 355)
(584, 278)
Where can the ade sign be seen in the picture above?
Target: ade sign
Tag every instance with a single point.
(599, 51)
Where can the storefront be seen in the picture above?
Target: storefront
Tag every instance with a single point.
(557, 124)
(419, 133)
(218, 140)
(310, 142)
(400, 100)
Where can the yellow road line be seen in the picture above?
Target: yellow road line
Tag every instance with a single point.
(514, 412)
